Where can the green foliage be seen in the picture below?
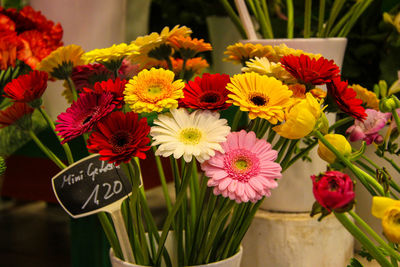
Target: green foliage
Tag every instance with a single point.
(354, 263)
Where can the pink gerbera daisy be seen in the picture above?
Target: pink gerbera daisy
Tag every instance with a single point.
(246, 171)
(83, 114)
(116, 88)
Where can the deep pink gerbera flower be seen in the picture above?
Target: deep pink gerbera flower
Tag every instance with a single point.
(208, 92)
(246, 171)
(116, 88)
(83, 114)
(310, 70)
(119, 137)
(88, 75)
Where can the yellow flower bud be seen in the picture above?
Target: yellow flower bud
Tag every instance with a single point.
(337, 141)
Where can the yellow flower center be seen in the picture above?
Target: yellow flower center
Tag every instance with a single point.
(154, 90)
(190, 136)
(241, 164)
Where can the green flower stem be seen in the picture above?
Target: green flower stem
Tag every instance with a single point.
(235, 19)
(394, 165)
(171, 215)
(392, 259)
(71, 85)
(65, 146)
(374, 235)
(335, 10)
(370, 161)
(47, 151)
(364, 240)
(289, 153)
(164, 185)
(340, 123)
(300, 155)
(290, 16)
(169, 63)
(321, 17)
(194, 195)
(182, 74)
(361, 6)
(110, 233)
(267, 19)
(282, 149)
(363, 177)
(396, 118)
(307, 19)
(262, 21)
(271, 135)
(236, 119)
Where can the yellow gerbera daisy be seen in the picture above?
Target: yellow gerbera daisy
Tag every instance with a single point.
(175, 31)
(60, 62)
(260, 95)
(187, 46)
(368, 98)
(282, 50)
(109, 54)
(301, 119)
(265, 67)
(153, 90)
(240, 53)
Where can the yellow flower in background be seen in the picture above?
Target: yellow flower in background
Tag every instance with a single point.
(113, 53)
(369, 98)
(339, 142)
(153, 90)
(240, 53)
(265, 67)
(60, 62)
(318, 93)
(388, 210)
(262, 96)
(154, 45)
(300, 119)
(283, 50)
(67, 93)
(392, 19)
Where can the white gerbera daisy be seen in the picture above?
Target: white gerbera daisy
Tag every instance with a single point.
(198, 134)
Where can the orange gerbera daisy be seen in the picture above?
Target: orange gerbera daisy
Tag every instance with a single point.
(194, 65)
(369, 98)
(187, 46)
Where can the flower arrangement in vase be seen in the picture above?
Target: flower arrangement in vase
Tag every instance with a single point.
(132, 99)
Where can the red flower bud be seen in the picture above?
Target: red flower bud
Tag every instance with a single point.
(333, 190)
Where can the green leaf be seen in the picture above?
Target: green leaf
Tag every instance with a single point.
(354, 263)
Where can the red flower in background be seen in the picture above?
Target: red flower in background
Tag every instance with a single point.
(86, 76)
(14, 113)
(333, 190)
(207, 92)
(345, 98)
(310, 70)
(116, 88)
(119, 137)
(37, 34)
(27, 88)
(83, 114)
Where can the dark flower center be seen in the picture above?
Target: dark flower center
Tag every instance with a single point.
(87, 119)
(120, 140)
(258, 100)
(333, 186)
(210, 97)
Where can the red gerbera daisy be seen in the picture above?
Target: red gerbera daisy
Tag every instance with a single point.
(15, 114)
(116, 88)
(310, 70)
(345, 98)
(87, 75)
(207, 92)
(27, 88)
(83, 114)
(119, 137)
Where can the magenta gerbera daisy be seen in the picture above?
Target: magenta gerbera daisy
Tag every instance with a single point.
(83, 114)
(119, 137)
(208, 92)
(310, 70)
(116, 88)
(246, 171)
(88, 75)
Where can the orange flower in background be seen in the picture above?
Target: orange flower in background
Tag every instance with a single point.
(240, 53)
(318, 93)
(195, 65)
(9, 43)
(187, 45)
(368, 98)
(299, 90)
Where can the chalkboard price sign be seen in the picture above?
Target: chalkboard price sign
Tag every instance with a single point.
(90, 186)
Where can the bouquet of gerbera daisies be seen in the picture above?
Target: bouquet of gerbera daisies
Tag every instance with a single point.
(129, 98)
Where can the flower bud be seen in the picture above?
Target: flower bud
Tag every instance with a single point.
(334, 190)
(388, 104)
(337, 141)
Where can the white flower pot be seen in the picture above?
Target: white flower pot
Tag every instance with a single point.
(294, 192)
(170, 245)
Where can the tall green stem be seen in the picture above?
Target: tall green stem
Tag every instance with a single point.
(307, 19)
(321, 17)
(164, 185)
(396, 118)
(235, 19)
(364, 240)
(71, 85)
(47, 151)
(290, 16)
(65, 146)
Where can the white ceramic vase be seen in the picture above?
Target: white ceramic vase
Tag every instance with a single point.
(294, 193)
(233, 261)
